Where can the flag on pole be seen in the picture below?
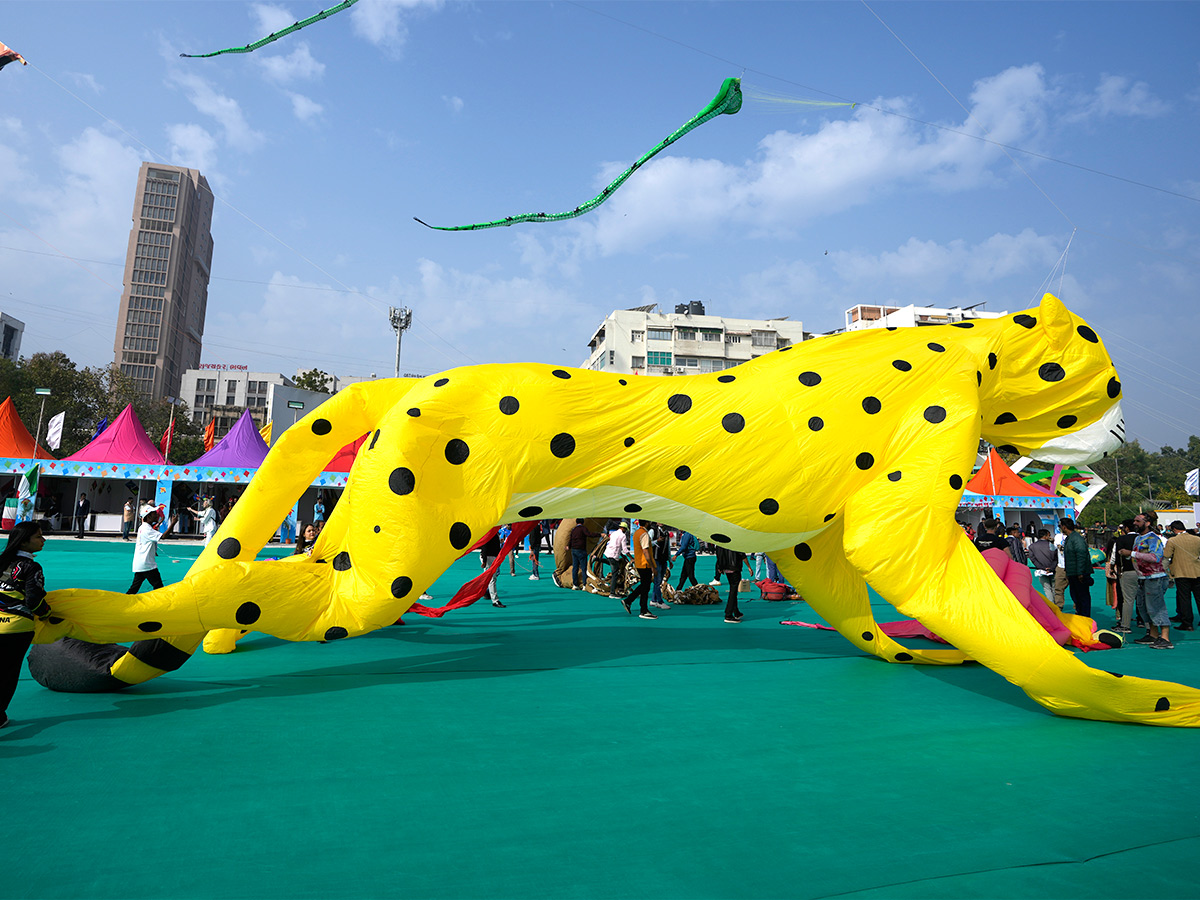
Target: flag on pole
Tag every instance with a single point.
(26, 492)
(168, 436)
(210, 435)
(100, 426)
(54, 431)
(265, 433)
(1191, 482)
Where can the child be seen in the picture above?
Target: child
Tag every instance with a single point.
(22, 597)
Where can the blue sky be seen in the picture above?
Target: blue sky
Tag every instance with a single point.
(322, 147)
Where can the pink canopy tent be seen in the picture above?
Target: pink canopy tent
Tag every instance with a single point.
(242, 448)
(124, 441)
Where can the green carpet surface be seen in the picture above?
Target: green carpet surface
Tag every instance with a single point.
(559, 748)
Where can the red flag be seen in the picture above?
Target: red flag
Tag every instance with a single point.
(168, 436)
(210, 437)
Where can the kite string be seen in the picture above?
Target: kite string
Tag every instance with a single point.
(970, 115)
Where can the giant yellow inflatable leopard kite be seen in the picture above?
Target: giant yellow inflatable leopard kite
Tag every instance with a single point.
(821, 454)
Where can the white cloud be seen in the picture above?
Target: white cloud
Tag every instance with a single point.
(304, 108)
(454, 103)
(85, 80)
(1116, 95)
(381, 21)
(225, 110)
(192, 146)
(798, 177)
(270, 17)
(299, 65)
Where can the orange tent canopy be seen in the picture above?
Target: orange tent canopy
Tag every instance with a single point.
(996, 478)
(15, 439)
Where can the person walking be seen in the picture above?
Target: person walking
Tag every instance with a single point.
(686, 549)
(535, 548)
(643, 561)
(614, 556)
(729, 564)
(145, 551)
(127, 518)
(660, 537)
(83, 509)
(22, 600)
(487, 555)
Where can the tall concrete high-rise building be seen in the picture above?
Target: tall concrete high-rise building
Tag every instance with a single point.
(160, 328)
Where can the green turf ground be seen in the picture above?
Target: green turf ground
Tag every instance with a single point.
(559, 748)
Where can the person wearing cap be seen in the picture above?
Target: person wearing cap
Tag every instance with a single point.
(145, 566)
(1181, 555)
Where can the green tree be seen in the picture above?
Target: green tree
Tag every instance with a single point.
(315, 380)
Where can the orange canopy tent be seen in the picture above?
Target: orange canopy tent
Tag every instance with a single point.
(995, 477)
(15, 439)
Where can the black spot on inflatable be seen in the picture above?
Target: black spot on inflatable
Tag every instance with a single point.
(720, 538)
(803, 552)
(935, 347)
(679, 403)
(1051, 372)
(733, 423)
(864, 461)
(1005, 419)
(441, 382)
(415, 413)
(401, 587)
(725, 379)
(457, 452)
(247, 614)
(509, 405)
(871, 405)
(1162, 705)
(769, 507)
(816, 423)
(1025, 320)
(956, 481)
(901, 365)
(628, 442)
(460, 535)
(1087, 334)
(150, 627)
(632, 508)
(560, 373)
(1067, 421)
(322, 426)
(229, 548)
(529, 511)
(562, 445)
(402, 481)
(335, 633)
(683, 473)
(935, 414)
(809, 379)
(341, 562)
(894, 476)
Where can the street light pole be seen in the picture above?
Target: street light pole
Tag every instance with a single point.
(401, 319)
(43, 393)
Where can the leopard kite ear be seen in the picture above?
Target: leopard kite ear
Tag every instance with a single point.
(1056, 321)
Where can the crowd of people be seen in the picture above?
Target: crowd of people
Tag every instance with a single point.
(1141, 561)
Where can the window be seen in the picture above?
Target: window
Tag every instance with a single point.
(711, 334)
(763, 339)
(230, 400)
(637, 337)
(733, 338)
(656, 358)
(637, 362)
(658, 334)
(685, 334)
(687, 362)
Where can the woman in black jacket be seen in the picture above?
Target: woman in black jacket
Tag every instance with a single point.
(22, 597)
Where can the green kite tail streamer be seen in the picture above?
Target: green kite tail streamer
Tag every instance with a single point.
(727, 102)
(276, 35)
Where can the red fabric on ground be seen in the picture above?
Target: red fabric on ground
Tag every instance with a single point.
(477, 587)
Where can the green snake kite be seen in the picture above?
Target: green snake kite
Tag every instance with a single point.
(276, 35)
(727, 102)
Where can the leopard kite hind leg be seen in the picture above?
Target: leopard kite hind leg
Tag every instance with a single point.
(943, 581)
(819, 570)
(100, 616)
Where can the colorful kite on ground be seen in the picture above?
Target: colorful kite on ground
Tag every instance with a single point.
(276, 35)
(727, 102)
(8, 55)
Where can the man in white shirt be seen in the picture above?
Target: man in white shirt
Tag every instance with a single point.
(614, 555)
(145, 566)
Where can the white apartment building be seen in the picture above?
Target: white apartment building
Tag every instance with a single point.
(221, 392)
(867, 316)
(685, 342)
(11, 331)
